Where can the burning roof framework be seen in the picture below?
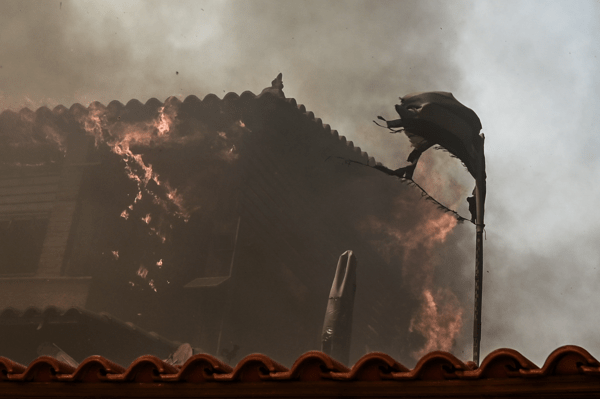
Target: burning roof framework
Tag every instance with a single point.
(167, 192)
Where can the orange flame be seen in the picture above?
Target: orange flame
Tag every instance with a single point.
(119, 137)
(142, 272)
(439, 324)
(412, 242)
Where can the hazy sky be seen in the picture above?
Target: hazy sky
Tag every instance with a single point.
(529, 69)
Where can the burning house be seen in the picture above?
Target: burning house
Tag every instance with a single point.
(217, 222)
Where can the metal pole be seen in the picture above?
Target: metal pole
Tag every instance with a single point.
(478, 293)
(480, 192)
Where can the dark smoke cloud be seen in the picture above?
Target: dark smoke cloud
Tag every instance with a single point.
(339, 59)
(346, 61)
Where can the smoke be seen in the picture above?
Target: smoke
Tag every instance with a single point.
(533, 80)
(348, 62)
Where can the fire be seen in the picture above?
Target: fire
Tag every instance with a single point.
(439, 320)
(165, 120)
(120, 137)
(439, 317)
(423, 236)
(142, 272)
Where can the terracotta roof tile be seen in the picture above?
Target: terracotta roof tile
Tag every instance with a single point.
(95, 369)
(200, 368)
(192, 104)
(311, 366)
(145, 369)
(569, 371)
(253, 368)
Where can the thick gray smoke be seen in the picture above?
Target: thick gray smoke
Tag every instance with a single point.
(339, 59)
(348, 62)
(530, 72)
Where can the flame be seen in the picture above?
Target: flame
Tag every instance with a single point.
(120, 136)
(439, 317)
(439, 324)
(165, 121)
(423, 236)
(142, 272)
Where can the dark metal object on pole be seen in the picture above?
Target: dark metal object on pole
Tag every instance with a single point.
(337, 327)
(432, 118)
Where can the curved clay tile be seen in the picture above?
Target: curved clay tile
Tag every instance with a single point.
(570, 360)
(9, 369)
(434, 366)
(172, 101)
(45, 369)
(78, 110)
(32, 312)
(10, 313)
(302, 108)
(153, 103)
(97, 105)
(115, 104)
(292, 101)
(375, 366)
(95, 369)
(252, 368)
(134, 104)
(200, 368)
(145, 369)
(72, 312)
(210, 99)
(43, 112)
(503, 363)
(231, 96)
(192, 99)
(60, 110)
(26, 113)
(52, 311)
(312, 366)
(7, 115)
(247, 95)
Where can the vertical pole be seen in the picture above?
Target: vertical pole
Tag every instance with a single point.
(478, 293)
(480, 192)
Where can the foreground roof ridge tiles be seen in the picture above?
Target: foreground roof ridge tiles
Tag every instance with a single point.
(570, 371)
(311, 366)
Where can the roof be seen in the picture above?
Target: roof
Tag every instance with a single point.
(569, 370)
(284, 149)
(97, 333)
(63, 117)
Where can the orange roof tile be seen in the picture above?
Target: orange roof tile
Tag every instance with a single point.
(569, 370)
